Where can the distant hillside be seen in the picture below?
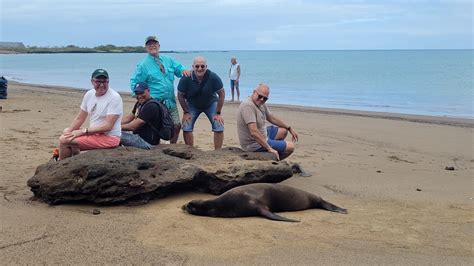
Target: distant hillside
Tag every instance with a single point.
(18, 47)
(11, 45)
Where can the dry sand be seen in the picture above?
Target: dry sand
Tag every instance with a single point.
(388, 170)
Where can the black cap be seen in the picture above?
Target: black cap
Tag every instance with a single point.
(140, 87)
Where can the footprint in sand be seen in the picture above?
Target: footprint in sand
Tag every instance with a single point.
(394, 158)
(22, 131)
(16, 110)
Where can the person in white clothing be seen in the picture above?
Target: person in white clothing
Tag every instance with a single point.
(234, 75)
(104, 108)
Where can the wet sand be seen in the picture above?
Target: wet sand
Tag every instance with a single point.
(388, 170)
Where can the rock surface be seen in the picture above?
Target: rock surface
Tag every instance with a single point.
(129, 174)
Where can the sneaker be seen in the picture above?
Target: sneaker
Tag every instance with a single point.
(55, 154)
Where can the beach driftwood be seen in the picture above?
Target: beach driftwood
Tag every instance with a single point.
(129, 174)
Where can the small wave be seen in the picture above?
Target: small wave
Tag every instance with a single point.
(14, 78)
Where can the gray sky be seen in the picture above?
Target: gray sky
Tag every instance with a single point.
(242, 25)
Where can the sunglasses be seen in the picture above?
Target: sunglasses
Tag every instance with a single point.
(261, 97)
(102, 81)
(200, 66)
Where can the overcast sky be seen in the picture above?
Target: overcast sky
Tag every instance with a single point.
(242, 25)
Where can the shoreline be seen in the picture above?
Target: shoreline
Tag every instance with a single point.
(6, 51)
(439, 120)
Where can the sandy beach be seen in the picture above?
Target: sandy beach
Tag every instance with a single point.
(388, 170)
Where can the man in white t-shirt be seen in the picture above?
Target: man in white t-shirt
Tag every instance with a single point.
(104, 108)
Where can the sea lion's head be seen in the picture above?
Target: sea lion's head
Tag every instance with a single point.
(198, 207)
(192, 206)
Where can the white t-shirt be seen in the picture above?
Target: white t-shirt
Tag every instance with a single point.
(99, 107)
(233, 71)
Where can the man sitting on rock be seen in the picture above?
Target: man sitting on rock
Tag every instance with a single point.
(104, 108)
(144, 121)
(252, 116)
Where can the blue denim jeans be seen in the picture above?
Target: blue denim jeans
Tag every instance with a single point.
(134, 140)
(278, 145)
(210, 112)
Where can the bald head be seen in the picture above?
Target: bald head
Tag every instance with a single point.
(263, 89)
(260, 94)
(199, 60)
(199, 67)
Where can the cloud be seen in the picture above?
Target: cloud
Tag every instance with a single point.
(233, 24)
(266, 40)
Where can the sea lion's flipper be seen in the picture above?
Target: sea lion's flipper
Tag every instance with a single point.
(272, 216)
(331, 207)
(297, 169)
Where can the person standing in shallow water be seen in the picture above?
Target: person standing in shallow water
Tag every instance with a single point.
(234, 75)
(159, 71)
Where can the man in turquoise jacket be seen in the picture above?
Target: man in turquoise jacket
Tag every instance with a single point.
(158, 71)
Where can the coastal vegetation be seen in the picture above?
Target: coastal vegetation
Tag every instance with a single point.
(109, 48)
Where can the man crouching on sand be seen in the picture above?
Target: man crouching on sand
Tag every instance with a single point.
(104, 108)
(253, 136)
(140, 128)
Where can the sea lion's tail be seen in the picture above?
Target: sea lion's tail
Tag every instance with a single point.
(273, 216)
(331, 207)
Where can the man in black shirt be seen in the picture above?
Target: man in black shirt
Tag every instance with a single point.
(143, 122)
(202, 92)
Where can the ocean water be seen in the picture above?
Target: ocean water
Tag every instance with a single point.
(426, 82)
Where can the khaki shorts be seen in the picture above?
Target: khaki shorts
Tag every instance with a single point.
(175, 115)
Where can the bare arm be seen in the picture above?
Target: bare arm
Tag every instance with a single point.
(127, 119)
(133, 125)
(182, 102)
(238, 72)
(220, 103)
(184, 106)
(77, 122)
(107, 125)
(255, 133)
(278, 122)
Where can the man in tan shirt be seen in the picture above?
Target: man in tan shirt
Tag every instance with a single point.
(254, 136)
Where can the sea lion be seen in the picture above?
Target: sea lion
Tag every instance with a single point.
(260, 199)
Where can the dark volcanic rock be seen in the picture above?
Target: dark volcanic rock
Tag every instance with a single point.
(128, 174)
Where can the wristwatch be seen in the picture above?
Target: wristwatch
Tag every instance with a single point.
(218, 113)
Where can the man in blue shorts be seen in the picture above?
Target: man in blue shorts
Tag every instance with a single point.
(159, 71)
(202, 92)
(139, 129)
(254, 136)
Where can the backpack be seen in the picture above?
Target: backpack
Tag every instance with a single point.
(166, 129)
(3, 88)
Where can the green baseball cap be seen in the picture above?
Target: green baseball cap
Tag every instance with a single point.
(100, 72)
(151, 38)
